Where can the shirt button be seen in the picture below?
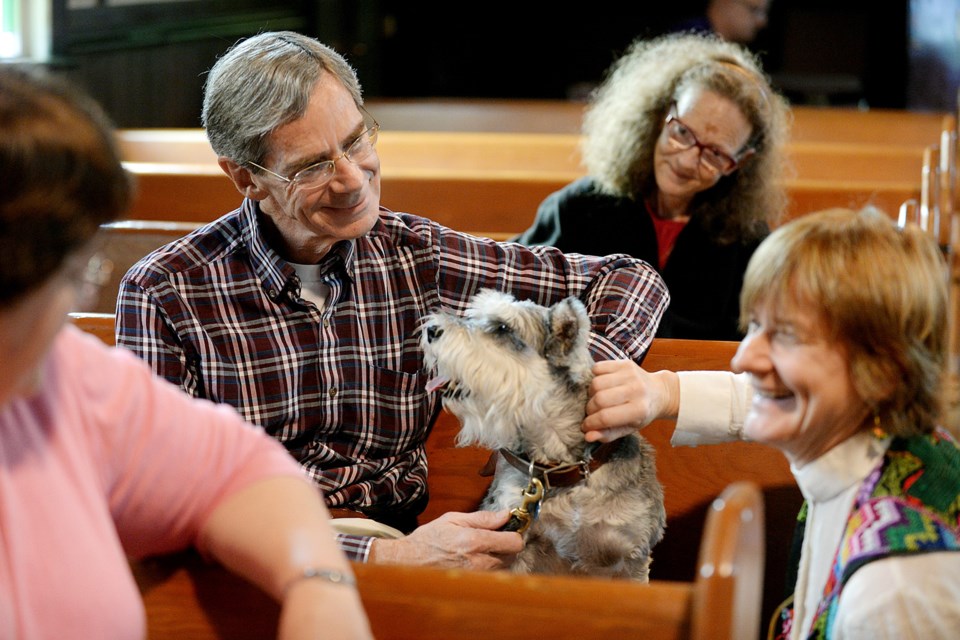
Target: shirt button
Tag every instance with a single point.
(333, 392)
(272, 294)
(326, 323)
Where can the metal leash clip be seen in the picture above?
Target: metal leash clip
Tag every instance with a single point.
(522, 516)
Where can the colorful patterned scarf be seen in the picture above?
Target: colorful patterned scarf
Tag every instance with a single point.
(909, 504)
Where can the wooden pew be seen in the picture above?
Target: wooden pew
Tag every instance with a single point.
(505, 203)
(894, 127)
(100, 325)
(810, 124)
(691, 477)
(126, 241)
(492, 154)
(187, 599)
(495, 181)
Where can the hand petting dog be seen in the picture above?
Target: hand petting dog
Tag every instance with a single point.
(625, 398)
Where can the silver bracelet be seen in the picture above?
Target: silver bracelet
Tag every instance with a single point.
(330, 575)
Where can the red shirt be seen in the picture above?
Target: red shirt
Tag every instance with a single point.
(667, 232)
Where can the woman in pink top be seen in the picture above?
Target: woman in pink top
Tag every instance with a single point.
(99, 460)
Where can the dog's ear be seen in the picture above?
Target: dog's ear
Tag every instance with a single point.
(569, 326)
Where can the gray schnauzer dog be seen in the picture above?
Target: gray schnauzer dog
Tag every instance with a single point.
(516, 375)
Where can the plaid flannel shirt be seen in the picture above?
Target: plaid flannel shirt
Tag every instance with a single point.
(219, 313)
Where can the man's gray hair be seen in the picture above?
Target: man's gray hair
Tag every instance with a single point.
(262, 83)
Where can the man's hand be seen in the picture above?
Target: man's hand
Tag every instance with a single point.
(462, 540)
(624, 398)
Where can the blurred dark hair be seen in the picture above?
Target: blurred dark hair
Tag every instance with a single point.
(60, 175)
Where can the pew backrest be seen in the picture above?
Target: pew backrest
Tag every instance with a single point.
(495, 181)
(124, 242)
(187, 599)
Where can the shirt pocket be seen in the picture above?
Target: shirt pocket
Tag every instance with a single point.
(385, 409)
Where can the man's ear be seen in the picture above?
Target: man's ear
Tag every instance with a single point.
(242, 179)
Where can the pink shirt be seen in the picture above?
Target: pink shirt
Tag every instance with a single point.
(107, 462)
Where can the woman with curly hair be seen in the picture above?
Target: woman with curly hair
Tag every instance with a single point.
(683, 145)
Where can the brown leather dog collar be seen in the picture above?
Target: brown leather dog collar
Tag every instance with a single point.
(557, 474)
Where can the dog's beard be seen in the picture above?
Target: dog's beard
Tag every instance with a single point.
(494, 414)
(483, 412)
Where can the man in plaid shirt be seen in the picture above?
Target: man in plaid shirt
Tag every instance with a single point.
(302, 308)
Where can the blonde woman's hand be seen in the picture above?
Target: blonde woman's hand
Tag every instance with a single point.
(624, 398)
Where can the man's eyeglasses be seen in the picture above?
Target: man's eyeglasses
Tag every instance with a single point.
(318, 174)
(682, 138)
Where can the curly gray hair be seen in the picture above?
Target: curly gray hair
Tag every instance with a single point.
(628, 109)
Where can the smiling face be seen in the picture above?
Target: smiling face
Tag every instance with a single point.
(347, 207)
(804, 400)
(716, 122)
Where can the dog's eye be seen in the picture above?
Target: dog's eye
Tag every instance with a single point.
(501, 328)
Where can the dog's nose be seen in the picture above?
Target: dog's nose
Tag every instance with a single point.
(433, 332)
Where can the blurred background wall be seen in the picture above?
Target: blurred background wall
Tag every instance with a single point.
(145, 59)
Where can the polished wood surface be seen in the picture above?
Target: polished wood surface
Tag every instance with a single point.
(518, 154)
(187, 599)
(505, 203)
(891, 127)
(494, 182)
(123, 243)
(100, 325)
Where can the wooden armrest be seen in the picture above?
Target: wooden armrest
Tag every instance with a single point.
(729, 583)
